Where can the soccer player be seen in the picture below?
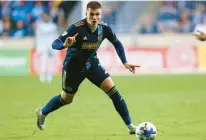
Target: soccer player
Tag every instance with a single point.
(82, 40)
(46, 33)
(201, 36)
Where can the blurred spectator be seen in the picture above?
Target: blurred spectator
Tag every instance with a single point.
(181, 4)
(46, 33)
(1, 27)
(5, 9)
(184, 25)
(198, 13)
(110, 12)
(185, 4)
(167, 18)
(7, 32)
(147, 26)
(172, 16)
(37, 10)
(109, 15)
(65, 8)
(178, 16)
(53, 11)
(167, 12)
(20, 31)
(20, 12)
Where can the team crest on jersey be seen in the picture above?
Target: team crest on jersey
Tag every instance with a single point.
(100, 37)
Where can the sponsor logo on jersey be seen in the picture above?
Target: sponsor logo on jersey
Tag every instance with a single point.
(89, 45)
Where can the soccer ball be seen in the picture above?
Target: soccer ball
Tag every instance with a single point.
(146, 131)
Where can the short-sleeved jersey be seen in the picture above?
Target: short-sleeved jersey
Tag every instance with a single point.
(87, 42)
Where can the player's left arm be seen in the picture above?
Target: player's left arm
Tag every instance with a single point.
(200, 35)
(66, 40)
(119, 49)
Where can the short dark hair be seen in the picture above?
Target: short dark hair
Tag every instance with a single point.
(94, 5)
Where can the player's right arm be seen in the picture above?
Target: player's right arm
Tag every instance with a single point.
(67, 39)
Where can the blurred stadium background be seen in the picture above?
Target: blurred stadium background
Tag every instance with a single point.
(168, 89)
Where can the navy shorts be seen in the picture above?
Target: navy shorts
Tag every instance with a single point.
(72, 77)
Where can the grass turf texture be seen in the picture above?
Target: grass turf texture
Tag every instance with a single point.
(176, 104)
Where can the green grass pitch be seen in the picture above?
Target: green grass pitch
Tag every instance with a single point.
(176, 104)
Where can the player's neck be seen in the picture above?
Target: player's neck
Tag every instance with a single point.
(92, 28)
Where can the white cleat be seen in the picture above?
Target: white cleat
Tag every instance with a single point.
(40, 119)
(132, 132)
(132, 129)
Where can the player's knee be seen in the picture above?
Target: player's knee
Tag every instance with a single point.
(112, 91)
(107, 84)
(67, 97)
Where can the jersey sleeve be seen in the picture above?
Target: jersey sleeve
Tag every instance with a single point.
(69, 32)
(109, 34)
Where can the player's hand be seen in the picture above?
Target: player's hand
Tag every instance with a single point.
(70, 41)
(201, 36)
(131, 67)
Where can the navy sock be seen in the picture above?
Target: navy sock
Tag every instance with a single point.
(120, 105)
(55, 103)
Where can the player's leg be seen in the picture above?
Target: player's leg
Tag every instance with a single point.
(101, 79)
(55, 103)
(119, 103)
(70, 83)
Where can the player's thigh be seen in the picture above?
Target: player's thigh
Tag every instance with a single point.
(100, 77)
(71, 79)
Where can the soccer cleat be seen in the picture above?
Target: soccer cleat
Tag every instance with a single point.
(132, 132)
(132, 129)
(40, 119)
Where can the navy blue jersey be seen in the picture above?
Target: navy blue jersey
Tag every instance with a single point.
(87, 42)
